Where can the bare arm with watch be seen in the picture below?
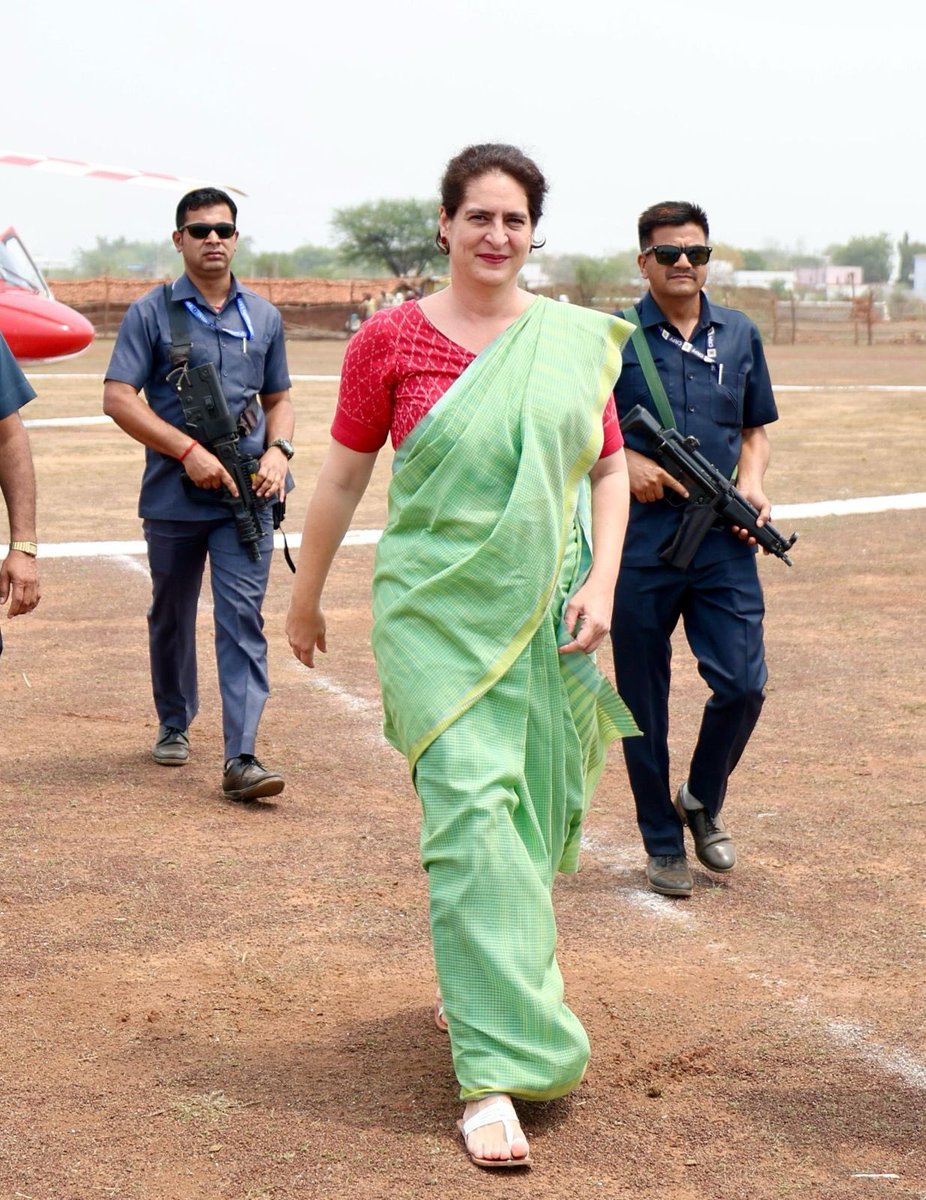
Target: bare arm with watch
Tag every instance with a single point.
(19, 581)
(274, 462)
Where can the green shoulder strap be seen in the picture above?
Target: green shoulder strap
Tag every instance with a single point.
(650, 374)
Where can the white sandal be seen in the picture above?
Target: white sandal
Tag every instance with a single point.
(501, 1112)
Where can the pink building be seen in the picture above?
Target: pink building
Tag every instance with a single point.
(836, 281)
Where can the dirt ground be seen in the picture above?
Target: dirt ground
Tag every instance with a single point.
(206, 1001)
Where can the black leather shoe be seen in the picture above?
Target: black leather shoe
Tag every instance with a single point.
(713, 844)
(247, 779)
(668, 874)
(172, 749)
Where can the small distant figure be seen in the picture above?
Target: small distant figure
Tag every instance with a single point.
(353, 322)
(367, 307)
(19, 580)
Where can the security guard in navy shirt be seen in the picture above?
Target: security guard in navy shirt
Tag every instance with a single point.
(712, 366)
(242, 335)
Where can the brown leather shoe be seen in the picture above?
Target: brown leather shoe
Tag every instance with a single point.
(713, 844)
(669, 875)
(247, 779)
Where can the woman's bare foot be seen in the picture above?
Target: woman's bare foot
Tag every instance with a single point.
(440, 1017)
(493, 1134)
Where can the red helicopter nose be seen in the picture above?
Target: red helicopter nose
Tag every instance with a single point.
(37, 328)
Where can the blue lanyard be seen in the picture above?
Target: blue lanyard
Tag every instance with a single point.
(244, 335)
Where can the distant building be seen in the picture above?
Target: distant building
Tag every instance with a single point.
(764, 279)
(834, 281)
(919, 275)
(534, 277)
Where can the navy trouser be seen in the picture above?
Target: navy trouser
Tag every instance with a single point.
(177, 552)
(721, 607)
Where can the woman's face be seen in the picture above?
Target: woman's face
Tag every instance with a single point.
(490, 233)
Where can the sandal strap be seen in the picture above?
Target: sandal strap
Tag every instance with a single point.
(501, 1112)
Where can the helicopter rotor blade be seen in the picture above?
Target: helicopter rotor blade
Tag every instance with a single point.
(74, 167)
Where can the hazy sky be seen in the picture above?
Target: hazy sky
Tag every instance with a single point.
(796, 122)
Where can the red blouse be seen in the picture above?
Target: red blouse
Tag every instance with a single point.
(397, 366)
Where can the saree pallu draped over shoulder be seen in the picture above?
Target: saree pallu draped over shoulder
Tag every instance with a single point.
(487, 536)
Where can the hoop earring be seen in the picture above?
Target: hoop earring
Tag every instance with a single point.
(537, 245)
(442, 244)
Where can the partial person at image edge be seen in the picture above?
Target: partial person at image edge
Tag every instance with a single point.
(19, 578)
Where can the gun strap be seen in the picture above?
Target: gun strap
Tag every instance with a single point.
(650, 374)
(180, 341)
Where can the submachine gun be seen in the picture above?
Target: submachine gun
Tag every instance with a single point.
(209, 420)
(708, 491)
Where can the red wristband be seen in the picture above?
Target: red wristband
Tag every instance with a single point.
(193, 442)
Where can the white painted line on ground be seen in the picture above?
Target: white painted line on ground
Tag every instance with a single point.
(355, 537)
(781, 387)
(359, 705)
(892, 1059)
(62, 422)
(132, 564)
(99, 377)
(369, 537)
(847, 508)
(849, 387)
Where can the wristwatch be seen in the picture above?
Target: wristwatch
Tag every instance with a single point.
(284, 445)
(29, 548)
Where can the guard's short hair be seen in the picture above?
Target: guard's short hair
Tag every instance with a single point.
(670, 212)
(205, 197)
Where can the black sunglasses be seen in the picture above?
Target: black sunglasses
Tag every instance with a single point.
(668, 256)
(200, 230)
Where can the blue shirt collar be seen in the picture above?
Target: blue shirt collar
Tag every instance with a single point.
(651, 314)
(184, 289)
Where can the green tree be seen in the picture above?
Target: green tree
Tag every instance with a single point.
(118, 256)
(755, 260)
(872, 254)
(593, 278)
(397, 235)
(907, 249)
(318, 262)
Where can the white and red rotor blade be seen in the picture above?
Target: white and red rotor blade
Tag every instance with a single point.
(87, 170)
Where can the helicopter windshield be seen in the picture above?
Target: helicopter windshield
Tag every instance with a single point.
(16, 267)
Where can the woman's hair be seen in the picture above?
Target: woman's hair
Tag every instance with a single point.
(485, 159)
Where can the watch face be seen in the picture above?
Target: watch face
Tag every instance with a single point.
(285, 446)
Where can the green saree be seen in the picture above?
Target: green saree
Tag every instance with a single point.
(486, 538)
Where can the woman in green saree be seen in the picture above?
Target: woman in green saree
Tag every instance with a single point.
(487, 605)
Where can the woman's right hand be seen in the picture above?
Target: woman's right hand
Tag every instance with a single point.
(305, 629)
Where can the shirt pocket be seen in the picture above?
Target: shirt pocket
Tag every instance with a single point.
(255, 359)
(727, 401)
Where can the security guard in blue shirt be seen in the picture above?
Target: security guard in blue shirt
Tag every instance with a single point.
(242, 334)
(712, 366)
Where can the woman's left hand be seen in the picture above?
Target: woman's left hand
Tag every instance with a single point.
(588, 619)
